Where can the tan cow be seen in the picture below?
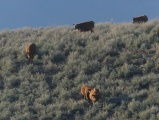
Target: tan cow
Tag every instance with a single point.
(30, 51)
(85, 91)
(94, 95)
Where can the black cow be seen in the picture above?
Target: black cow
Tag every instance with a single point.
(140, 19)
(85, 26)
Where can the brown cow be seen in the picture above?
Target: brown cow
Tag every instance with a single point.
(94, 95)
(85, 26)
(85, 91)
(30, 51)
(140, 19)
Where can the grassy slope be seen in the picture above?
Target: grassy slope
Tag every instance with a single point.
(119, 59)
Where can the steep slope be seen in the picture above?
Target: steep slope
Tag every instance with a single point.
(121, 60)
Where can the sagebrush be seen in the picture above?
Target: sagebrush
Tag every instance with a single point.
(121, 60)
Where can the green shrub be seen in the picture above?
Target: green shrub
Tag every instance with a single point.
(12, 81)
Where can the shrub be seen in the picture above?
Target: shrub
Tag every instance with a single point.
(12, 81)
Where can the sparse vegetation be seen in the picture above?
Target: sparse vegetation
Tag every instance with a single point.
(121, 60)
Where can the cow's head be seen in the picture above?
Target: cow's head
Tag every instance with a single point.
(76, 26)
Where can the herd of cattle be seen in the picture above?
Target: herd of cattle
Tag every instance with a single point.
(87, 92)
(90, 94)
(84, 26)
(89, 25)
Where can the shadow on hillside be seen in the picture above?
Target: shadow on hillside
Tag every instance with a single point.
(118, 99)
(49, 82)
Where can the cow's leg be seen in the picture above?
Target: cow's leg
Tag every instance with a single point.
(31, 57)
(28, 56)
(83, 96)
(87, 96)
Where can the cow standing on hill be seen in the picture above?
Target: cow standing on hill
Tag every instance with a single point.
(140, 19)
(94, 95)
(30, 51)
(85, 91)
(85, 26)
(90, 94)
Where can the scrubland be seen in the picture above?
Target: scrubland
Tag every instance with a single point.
(120, 59)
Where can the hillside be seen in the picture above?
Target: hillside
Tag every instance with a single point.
(121, 60)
